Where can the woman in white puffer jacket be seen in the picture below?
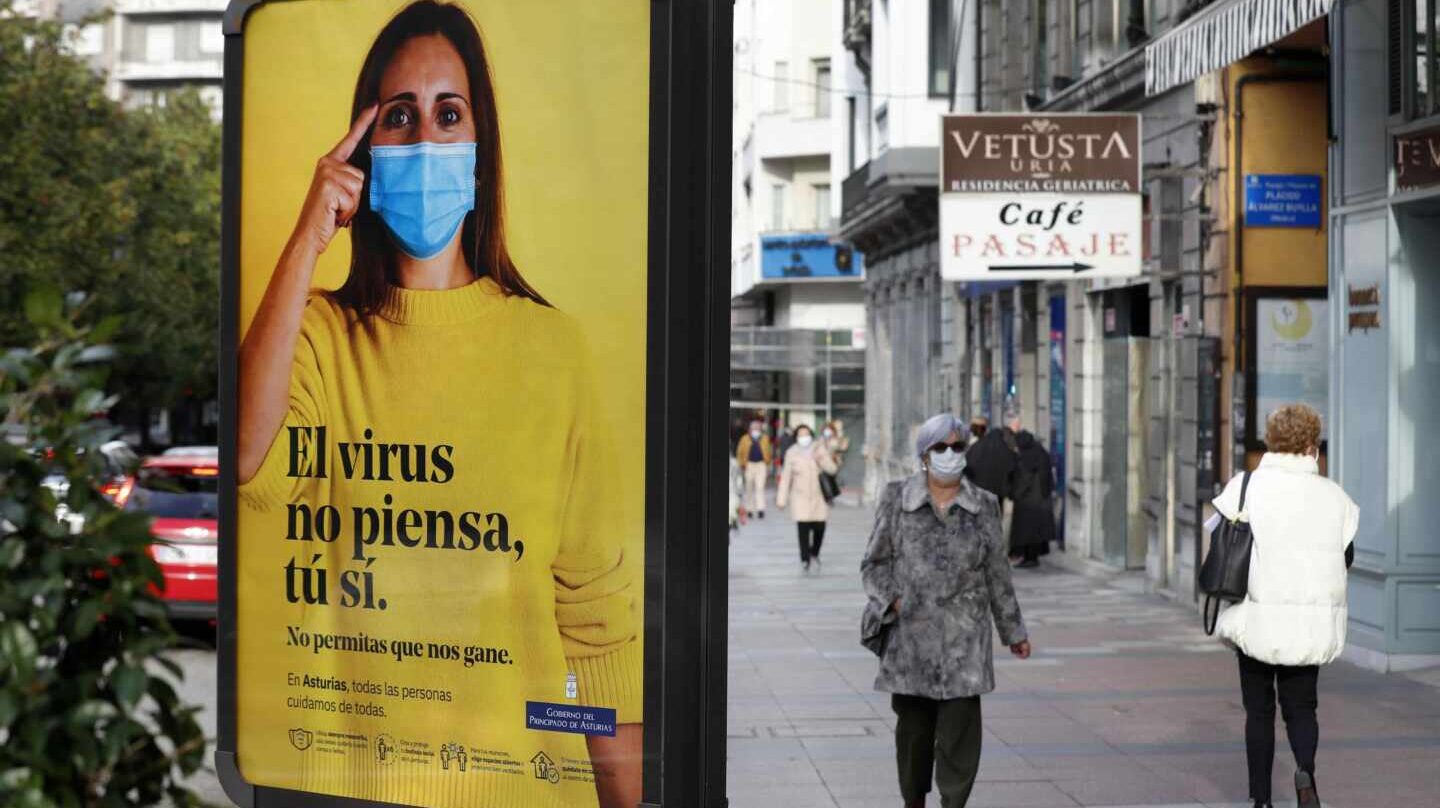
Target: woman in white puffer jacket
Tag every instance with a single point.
(1293, 617)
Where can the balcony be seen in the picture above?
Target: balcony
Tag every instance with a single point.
(140, 7)
(780, 135)
(890, 199)
(196, 70)
(789, 349)
(856, 35)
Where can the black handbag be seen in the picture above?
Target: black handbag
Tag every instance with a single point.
(829, 486)
(1225, 575)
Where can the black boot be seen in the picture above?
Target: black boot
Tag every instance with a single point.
(1305, 792)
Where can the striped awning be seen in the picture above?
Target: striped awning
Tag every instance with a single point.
(1222, 33)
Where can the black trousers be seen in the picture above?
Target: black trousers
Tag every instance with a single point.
(942, 737)
(1298, 700)
(811, 534)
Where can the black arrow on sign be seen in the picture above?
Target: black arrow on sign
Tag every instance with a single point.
(1075, 267)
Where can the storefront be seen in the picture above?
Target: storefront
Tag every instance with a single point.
(1384, 337)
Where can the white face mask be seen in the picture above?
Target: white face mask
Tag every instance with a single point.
(828, 434)
(754, 434)
(947, 466)
(804, 440)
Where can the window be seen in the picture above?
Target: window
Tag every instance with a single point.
(822, 88)
(781, 82)
(777, 206)
(1413, 32)
(159, 42)
(212, 40)
(941, 59)
(822, 205)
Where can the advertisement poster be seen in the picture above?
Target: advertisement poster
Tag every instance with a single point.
(440, 434)
(1292, 357)
(1036, 197)
(807, 256)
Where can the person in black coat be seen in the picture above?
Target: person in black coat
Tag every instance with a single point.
(990, 462)
(1032, 527)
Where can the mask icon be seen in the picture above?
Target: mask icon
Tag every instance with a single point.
(422, 192)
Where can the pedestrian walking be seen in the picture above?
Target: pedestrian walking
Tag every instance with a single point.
(837, 441)
(1293, 617)
(1032, 525)
(799, 490)
(753, 453)
(935, 570)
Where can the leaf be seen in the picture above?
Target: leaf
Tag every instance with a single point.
(9, 708)
(12, 553)
(92, 712)
(128, 683)
(85, 618)
(43, 306)
(18, 648)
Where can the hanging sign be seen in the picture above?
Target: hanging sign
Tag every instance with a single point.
(1031, 197)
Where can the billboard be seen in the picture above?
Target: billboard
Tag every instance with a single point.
(438, 399)
(1040, 196)
(808, 256)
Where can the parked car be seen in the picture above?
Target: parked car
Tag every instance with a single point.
(181, 494)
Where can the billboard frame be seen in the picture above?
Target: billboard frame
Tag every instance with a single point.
(687, 379)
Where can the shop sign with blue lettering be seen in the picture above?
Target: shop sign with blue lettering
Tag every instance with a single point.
(1282, 200)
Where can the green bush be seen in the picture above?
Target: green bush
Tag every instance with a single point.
(89, 715)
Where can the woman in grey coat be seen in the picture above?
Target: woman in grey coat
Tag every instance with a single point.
(937, 567)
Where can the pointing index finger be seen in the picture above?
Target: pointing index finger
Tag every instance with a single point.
(346, 147)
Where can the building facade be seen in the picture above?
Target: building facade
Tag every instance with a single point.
(1152, 391)
(1384, 210)
(897, 68)
(798, 320)
(147, 48)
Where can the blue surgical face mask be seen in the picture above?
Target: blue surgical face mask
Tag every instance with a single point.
(422, 192)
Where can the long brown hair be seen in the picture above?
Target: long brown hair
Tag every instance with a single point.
(372, 253)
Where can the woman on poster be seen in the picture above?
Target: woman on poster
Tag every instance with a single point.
(435, 339)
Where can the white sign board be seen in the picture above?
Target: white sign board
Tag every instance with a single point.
(1035, 197)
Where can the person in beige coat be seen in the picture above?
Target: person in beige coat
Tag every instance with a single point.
(800, 491)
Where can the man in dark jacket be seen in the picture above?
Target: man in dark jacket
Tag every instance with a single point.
(1032, 526)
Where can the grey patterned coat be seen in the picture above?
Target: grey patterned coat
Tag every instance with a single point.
(951, 574)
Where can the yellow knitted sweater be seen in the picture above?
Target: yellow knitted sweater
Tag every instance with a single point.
(496, 389)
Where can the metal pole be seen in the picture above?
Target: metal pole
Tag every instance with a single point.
(829, 378)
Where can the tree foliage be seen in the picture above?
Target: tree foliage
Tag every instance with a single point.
(123, 205)
(89, 714)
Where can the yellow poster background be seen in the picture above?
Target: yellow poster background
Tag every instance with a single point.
(572, 86)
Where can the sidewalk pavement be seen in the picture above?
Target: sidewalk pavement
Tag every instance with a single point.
(1125, 702)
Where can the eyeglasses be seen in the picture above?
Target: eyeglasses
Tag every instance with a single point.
(957, 447)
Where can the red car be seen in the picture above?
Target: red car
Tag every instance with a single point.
(181, 492)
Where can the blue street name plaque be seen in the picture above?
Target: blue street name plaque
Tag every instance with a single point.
(1282, 200)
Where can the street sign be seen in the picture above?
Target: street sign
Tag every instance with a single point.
(808, 256)
(467, 555)
(1282, 200)
(1038, 197)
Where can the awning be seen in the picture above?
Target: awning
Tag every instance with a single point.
(1223, 33)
